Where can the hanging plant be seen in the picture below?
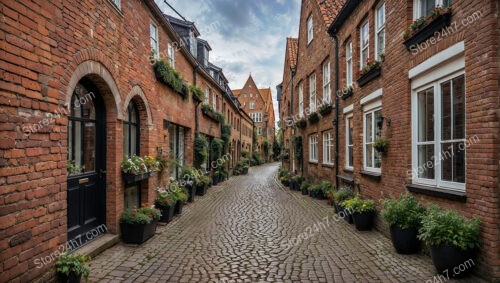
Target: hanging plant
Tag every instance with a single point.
(197, 93)
(380, 145)
(301, 123)
(297, 145)
(216, 148)
(169, 76)
(314, 117)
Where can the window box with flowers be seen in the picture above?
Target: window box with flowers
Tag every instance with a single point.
(425, 27)
(301, 123)
(346, 92)
(209, 111)
(165, 201)
(369, 72)
(325, 108)
(314, 118)
(170, 77)
(196, 93)
(137, 225)
(135, 168)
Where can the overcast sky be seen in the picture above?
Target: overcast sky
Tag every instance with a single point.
(246, 36)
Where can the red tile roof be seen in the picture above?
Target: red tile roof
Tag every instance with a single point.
(330, 9)
(292, 47)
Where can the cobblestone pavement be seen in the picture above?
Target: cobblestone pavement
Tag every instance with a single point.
(238, 233)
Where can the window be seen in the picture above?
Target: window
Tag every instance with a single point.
(117, 3)
(153, 34)
(252, 105)
(326, 83)
(259, 131)
(348, 64)
(301, 99)
(439, 144)
(349, 142)
(132, 193)
(207, 95)
(176, 139)
(423, 8)
(364, 44)
(193, 48)
(313, 148)
(328, 148)
(205, 57)
(256, 117)
(214, 101)
(251, 95)
(312, 93)
(372, 130)
(171, 55)
(310, 29)
(380, 30)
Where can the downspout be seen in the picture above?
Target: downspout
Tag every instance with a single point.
(195, 79)
(335, 121)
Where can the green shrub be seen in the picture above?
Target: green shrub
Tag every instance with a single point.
(305, 185)
(172, 78)
(404, 212)
(449, 227)
(73, 263)
(165, 200)
(196, 93)
(200, 150)
(342, 195)
(359, 205)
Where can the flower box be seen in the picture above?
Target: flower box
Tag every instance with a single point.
(130, 178)
(428, 30)
(209, 114)
(178, 207)
(368, 76)
(192, 191)
(201, 190)
(138, 233)
(301, 124)
(170, 77)
(314, 118)
(325, 110)
(346, 93)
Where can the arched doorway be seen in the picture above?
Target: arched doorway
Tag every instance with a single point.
(86, 192)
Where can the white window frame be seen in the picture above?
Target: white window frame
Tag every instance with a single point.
(171, 55)
(362, 59)
(154, 41)
(214, 101)
(417, 8)
(259, 131)
(328, 150)
(379, 29)
(313, 148)
(117, 3)
(370, 110)
(312, 93)
(310, 29)
(437, 181)
(348, 64)
(207, 95)
(349, 117)
(327, 93)
(301, 99)
(252, 105)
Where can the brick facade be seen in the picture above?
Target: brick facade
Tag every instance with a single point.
(48, 49)
(401, 71)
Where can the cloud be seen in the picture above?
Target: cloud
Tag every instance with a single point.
(250, 38)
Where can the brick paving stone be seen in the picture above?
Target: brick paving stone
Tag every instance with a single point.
(235, 233)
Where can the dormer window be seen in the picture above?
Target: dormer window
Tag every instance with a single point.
(211, 72)
(205, 57)
(192, 44)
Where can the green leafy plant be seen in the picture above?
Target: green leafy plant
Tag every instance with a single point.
(207, 107)
(200, 150)
(171, 77)
(301, 123)
(370, 65)
(297, 144)
(404, 212)
(313, 117)
(181, 195)
(325, 108)
(380, 145)
(134, 165)
(72, 168)
(343, 194)
(305, 185)
(204, 180)
(137, 216)
(226, 133)
(75, 264)
(449, 227)
(196, 93)
(219, 117)
(358, 205)
(421, 22)
(165, 199)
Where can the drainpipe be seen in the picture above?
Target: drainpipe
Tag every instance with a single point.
(335, 121)
(195, 79)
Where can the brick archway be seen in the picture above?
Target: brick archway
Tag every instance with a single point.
(138, 95)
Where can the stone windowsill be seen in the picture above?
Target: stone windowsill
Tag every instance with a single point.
(374, 175)
(437, 192)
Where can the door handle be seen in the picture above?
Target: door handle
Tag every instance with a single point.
(102, 173)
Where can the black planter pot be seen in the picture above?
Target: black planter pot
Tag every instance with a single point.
(191, 191)
(314, 118)
(129, 178)
(305, 192)
(178, 207)
(428, 31)
(245, 171)
(452, 260)
(345, 214)
(137, 233)
(215, 180)
(405, 240)
(347, 93)
(370, 75)
(293, 185)
(327, 110)
(314, 194)
(286, 183)
(320, 195)
(71, 278)
(364, 220)
(201, 190)
(167, 213)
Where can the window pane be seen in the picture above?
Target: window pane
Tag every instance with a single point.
(378, 123)
(132, 196)
(453, 162)
(351, 127)
(380, 42)
(89, 133)
(446, 114)
(459, 107)
(133, 140)
(351, 157)
(126, 141)
(378, 159)
(368, 156)
(426, 115)
(368, 127)
(425, 161)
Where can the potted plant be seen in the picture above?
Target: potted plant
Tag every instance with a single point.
(314, 117)
(305, 188)
(427, 26)
(137, 225)
(325, 108)
(296, 182)
(452, 238)
(339, 197)
(313, 190)
(404, 216)
(187, 176)
(380, 145)
(347, 91)
(363, 212)
(369, 72)
(181, 196)
(202, 185)
(216, 177)
(134, 169)
(322, 188)
(329, 195)
(165, 202)
(71, 267)
(301, 123)
(196, 93)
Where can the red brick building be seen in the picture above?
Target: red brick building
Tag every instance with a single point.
(78, 92)
(430, 98)
(258, 103)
